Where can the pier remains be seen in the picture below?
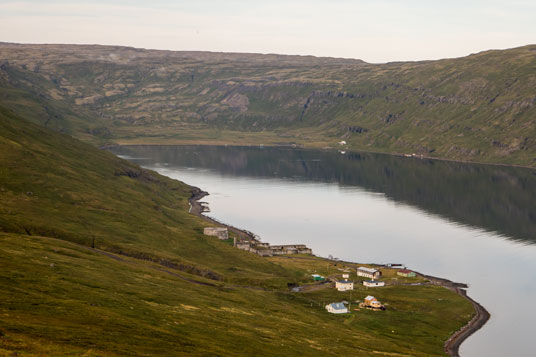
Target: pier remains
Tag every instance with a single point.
(221, 233)
(266, 250)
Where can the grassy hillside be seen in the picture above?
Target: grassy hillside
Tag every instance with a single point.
(56, 186)
(477, 108)
(154, 284)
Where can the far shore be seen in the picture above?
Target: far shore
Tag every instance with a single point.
(451, 346)
(307, 147)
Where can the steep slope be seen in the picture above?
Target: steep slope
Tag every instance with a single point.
(476, 108)
(56, 186)
(154, 284)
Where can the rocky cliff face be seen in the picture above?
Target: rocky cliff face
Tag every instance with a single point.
(476, 108)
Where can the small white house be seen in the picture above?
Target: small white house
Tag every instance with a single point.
(344, 285)
(373, 283)
(337, 308)
(345, 276)
(368, 272)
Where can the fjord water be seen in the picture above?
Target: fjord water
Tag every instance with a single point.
(469, 223)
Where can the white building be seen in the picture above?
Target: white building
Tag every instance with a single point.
(344, 285)
(373, 283)
(368, 272)
(337, 308)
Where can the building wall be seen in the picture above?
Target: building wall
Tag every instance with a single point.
(366, 275)
(344, 287)
(374, 284)
(221, 233)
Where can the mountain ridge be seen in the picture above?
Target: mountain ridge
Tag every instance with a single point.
(478, 108)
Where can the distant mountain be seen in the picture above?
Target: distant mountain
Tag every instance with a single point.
(479, 108)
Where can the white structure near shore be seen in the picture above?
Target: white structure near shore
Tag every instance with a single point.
(337, 308)
(369, 272)
(373, 283)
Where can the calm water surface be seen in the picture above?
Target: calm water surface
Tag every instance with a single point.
(468, 223)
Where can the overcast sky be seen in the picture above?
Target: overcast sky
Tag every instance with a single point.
(372, 30)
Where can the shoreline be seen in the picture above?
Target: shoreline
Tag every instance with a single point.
(331, 149)
(197, 209)
(453, 343)
(452, 346)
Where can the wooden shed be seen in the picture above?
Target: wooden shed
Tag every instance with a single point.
(371, 301)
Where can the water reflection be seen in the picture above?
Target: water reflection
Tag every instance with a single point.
(494, 198)
(378, 208)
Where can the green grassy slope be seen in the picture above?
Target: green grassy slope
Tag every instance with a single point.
(58, 298)
(56, 186)
(154, 284)
(476, 108)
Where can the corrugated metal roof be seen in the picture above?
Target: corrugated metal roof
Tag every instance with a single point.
(368, 270)
(338, 306)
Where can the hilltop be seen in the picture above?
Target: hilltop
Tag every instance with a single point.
(479, 108)
(101, 257)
